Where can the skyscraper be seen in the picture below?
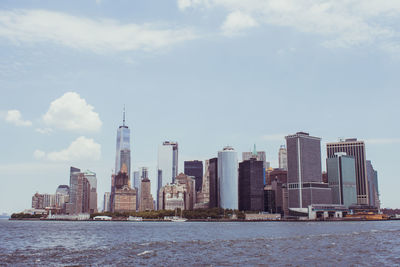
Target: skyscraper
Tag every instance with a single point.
(228, 183)
(62, 196)
(91, 177)
(356, 149)
(79, 200)
(167, 163)
(123, 149)
(146, 199)
(251, 185)
(195, 168)
(259, 155)
(282, 158)
(342, 179)
(373, 185)
(137, 182)
(106, 202)
(304, 177)
(213, 182)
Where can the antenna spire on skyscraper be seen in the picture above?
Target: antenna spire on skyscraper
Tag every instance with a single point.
(123, 121)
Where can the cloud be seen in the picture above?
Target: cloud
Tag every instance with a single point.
(81, 149)
(237, 22)
(44, 130)
(71, 112)
(340, 23)
(14, 117)
(39, 154)
(383, 141)
(98, 35)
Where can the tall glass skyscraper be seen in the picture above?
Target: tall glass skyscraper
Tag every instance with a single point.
(342, 179)
(123, 149)
(167, 163)
(228, 181)
(353, 147)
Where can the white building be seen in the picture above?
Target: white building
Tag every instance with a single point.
(228, 181)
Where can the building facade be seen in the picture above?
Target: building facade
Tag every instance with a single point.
(107, 202)
(251, 185)
(203, 196)
(37, 201)
(342, 179)
(373, 185)
(260, 155)
(167, 163)
(282, 155)
(123, 197)
(305, 185)
(123, 147)
(181, 194)
(195, 168)
(146, 199)
(356, 149)
(228, 181)
(79, 199)
(137, 183)
(212, 173)
(92, 179)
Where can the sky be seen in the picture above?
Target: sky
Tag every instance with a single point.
(204, 73)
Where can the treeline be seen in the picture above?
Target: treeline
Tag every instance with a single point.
(215, 213)
(25, 216)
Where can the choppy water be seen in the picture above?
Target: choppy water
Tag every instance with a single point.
(37, 243)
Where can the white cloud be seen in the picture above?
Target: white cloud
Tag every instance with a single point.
(184, 4)
(340, 23)
(81, 149)
(39, 154)
(44, 130)
(14, 116)
(98, 35)
(71, 112)
(236, 22)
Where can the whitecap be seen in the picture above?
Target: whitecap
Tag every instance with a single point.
(145, 252)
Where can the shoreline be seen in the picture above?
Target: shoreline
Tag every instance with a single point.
(199, 220)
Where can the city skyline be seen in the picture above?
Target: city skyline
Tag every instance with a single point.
(205, 80)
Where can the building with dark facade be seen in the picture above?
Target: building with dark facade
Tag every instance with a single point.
(195, 168)
(260, 155)
(213, 176)
(276, 174)
(356, 149)
(342, 179)
(304, 179)
(146, 198)
(269, 199)
(251, 185)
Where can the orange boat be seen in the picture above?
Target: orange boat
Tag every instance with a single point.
(368, 216)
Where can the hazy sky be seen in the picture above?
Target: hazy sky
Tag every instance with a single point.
(204, 73)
